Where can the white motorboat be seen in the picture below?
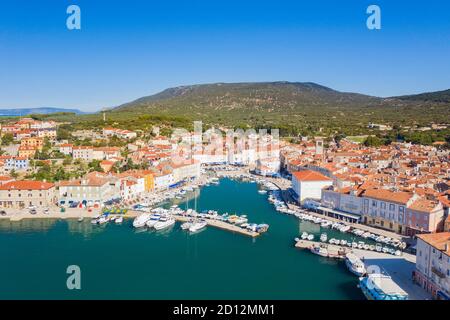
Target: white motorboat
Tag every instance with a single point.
(119, 220)
(197, 226)
(103, 219)
(186, 225)
(355, 265)
(304, 235)
(154, 218)
(141, 220)
(80, 219)
(310, 237)
(164, 222)
(323, 237)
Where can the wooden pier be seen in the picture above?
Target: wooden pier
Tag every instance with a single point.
(221, 225)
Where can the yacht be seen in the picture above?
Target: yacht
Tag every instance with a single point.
(154, 218)
(141, 220)
(186, 225)
(164, 222)
(197, 226)
(354, 264)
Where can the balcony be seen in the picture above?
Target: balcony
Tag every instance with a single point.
(437, 272)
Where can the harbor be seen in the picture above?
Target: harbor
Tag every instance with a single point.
(173, 263)
(206, 216)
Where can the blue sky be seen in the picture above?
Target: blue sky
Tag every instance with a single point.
(128, 49)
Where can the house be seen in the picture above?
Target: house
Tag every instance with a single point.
(27, 151)
(424, 216)
(32, 142)
(25, 193)
(66, 148)
(308, 184)
(386, 209)
(433, 264)
(83, 153)
(189, 169)
(93, 190)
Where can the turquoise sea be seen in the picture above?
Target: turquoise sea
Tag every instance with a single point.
(118, 262)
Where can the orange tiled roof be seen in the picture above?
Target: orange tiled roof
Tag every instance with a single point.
(437, 240)
(27, 185)
(308, 175)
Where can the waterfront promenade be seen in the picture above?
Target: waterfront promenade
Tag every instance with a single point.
(400, 268)
(53, 213)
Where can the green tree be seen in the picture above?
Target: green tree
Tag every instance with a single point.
(7, 139)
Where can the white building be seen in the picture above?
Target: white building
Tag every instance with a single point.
(309, 184)
(433, 264)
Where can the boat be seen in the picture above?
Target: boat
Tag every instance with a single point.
(197, 226)
(323, 237)
(377, 286)
(141, 220)
(310, 237)
(80, 219)
(103, 219)
(154, 218)
(186, 225)
(119, 220)
(263, 227)
(355, 265)
(163, 223)
(304, 235)
(94, 221)
(262, 191)
(319, 250)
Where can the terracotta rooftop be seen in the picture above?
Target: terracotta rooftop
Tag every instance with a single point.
(440, 241)
(309, 175)
(27, 185)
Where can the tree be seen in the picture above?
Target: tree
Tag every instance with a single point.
(7, 139)
(14, 174)
(373, 141)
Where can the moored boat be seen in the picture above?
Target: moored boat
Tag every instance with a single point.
(377, 286)
(141, 220)
(354, 264)
(164, 222)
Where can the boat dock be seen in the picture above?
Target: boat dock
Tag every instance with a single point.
(221, 225)
(334, 251)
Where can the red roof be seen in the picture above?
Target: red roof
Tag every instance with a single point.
(308, 175)
(27, 185)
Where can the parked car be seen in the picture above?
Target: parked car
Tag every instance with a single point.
(33, 211)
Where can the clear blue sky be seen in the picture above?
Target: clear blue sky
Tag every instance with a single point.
(128, 49)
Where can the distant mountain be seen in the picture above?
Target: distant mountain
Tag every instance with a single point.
(27, 111)
(288, 103)
(263, 96)
(437, 96)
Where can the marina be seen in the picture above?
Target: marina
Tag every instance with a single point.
(249, 267)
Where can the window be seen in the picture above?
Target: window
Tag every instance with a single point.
(374, 203)
(383, 205)
(391, 207)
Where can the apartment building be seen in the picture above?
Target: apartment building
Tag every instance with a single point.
(22, 194)
(308, 184)
(433, 264)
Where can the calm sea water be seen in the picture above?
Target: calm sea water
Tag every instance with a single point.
(119, 262)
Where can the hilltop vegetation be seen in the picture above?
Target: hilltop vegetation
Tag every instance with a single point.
(294, 108)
